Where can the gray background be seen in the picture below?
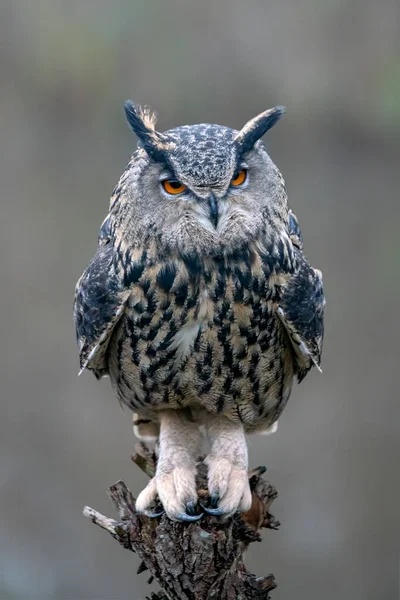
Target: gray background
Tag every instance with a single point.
(66, 68)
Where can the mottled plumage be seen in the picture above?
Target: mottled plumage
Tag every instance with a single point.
(200, 303)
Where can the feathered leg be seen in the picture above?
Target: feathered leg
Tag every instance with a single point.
(227, 463)
(175, 478)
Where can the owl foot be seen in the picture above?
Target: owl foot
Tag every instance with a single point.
(229, 487)
(177, 493)
(227, 462)
(174, 483)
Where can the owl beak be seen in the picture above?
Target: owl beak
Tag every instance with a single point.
(213, 206)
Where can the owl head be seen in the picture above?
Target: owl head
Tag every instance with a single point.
(202, 188)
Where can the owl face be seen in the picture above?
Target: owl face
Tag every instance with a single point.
(206, 188)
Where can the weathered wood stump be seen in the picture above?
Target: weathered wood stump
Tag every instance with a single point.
(199, 560)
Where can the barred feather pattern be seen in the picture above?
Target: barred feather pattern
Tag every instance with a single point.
(204, 335)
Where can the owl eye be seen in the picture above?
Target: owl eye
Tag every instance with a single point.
(173, 186)
(239, 177)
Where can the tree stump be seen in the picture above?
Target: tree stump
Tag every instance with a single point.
(199, 560)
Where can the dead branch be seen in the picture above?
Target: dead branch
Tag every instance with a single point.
(193, 561)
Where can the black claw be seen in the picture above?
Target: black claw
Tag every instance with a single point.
(191, 507)
(155, 515)
(215, 512)
(214, 499)
(188, 518)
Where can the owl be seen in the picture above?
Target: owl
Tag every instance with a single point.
(200, 305)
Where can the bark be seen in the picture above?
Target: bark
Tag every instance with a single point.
(193, 561)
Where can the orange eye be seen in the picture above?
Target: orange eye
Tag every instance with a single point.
(239, 177)
(172, 186)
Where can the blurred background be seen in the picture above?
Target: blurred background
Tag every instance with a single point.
(66, 69)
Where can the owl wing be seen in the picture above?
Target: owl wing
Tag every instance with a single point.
(100, 300)
(301, 311)
(295, 231)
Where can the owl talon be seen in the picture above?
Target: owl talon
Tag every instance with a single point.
(191, 508)
(188, 518)
(214, 512)
(214, 499)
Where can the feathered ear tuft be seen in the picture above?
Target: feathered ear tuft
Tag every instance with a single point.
(257, 127)
(142, 121)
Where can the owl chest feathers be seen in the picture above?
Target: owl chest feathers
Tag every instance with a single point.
(204, 335)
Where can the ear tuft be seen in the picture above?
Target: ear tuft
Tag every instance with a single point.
(140, 117)
(148, 116)
(257, 127)
(142, 121)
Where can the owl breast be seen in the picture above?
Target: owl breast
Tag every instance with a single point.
(205, 337)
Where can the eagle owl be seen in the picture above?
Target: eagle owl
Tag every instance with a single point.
(200, 304)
